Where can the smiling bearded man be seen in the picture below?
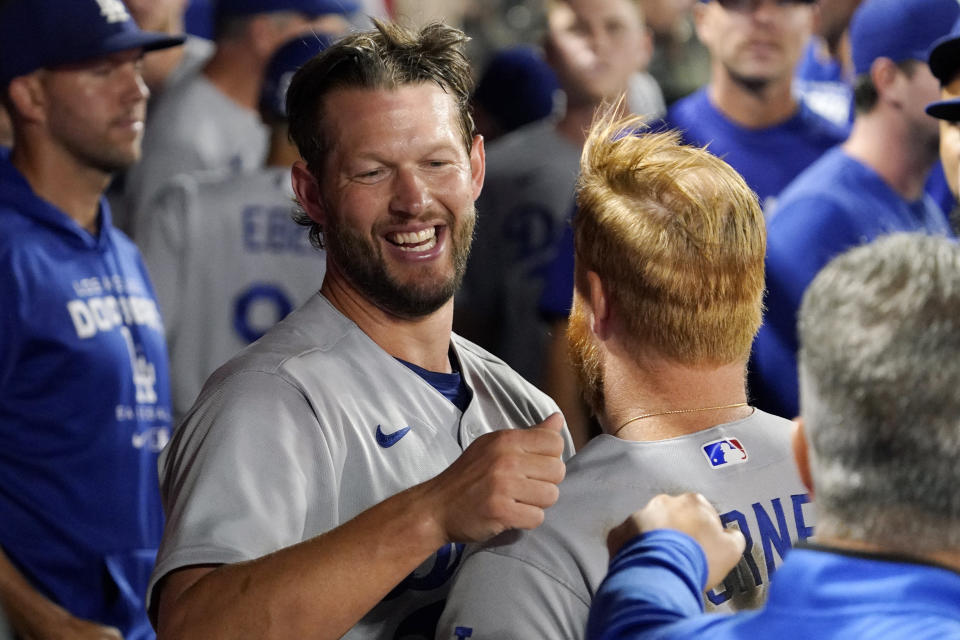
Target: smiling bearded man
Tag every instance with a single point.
(364, 265)
(317, 488)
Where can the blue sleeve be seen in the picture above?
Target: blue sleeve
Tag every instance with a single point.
(655, 580)
(557, 295)
(802, 237)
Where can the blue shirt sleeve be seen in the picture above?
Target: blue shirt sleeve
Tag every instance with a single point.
(655, 580)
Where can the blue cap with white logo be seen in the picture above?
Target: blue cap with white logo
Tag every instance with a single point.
(308, 7)
(37, 34)
(517, 87)
(283, 64)
(898, 29)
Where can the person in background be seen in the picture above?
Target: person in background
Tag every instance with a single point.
(595, 47)
(824, 76)
(877, 446)
(84, 388)
(166, 68)
(668, 296)
(944, 63)
(680, 63)
(226, 258)
(209, 120)
(749, 114)
(517, 87)
(871, 185)
(160, 71)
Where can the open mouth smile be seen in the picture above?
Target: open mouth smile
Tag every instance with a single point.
(414, 241)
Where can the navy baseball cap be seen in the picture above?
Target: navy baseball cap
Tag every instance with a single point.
(517, 87)
(224, 8)
(283, 64)
(898, 29)
(944, 57)
(945, 109)
(37, 34)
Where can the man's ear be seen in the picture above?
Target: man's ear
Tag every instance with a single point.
(885, 74)
(599, 305)
(478, 165)
(801, 454)
(701, 24)
(307, 188)
(28, 97)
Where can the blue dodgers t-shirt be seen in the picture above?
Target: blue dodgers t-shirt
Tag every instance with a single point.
(768, 158)
(84, 409)
(836, 204)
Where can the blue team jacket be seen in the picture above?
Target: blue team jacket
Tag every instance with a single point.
(653, 591)
(84, 409)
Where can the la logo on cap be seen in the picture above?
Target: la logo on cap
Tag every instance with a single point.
(113, 11)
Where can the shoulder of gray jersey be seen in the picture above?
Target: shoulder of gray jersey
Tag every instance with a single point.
(564, 560)
(486, 373)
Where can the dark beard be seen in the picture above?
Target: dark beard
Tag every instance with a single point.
(585, 358)
(756, 86)
(362, 264)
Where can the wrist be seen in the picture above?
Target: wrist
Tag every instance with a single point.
(426, 513)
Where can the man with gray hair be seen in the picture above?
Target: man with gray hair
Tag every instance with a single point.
(878, 441)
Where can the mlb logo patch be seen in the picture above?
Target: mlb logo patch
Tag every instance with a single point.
(723, 453)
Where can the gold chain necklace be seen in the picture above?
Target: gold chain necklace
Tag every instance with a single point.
(673, 411)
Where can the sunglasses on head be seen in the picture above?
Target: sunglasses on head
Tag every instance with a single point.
(753, 5)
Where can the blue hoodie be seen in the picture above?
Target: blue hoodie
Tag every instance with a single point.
(84, 409)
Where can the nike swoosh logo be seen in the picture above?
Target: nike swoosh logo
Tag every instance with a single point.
(386, 440)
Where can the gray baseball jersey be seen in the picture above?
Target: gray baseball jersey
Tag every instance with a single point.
(526, 201)
(539, 584)
(227, 262)
(192, 127)
(310, 426)
(196, 52)
(645, 97)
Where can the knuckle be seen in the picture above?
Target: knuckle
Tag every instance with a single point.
(504, 466)
(559, 471)
(499, 511)
(552, 494)
(498, 484)
(659, 500)
(535, 519)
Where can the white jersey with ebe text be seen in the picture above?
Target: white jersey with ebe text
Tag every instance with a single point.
(228, 262)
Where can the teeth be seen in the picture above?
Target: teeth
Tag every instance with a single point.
(414, 237)
(421, 247)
